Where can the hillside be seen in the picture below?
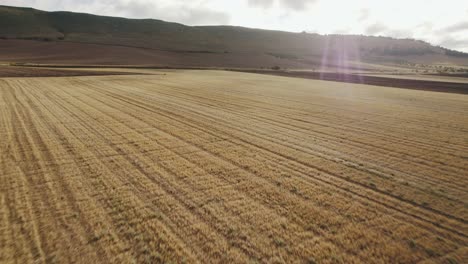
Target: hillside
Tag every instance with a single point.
(156, 42)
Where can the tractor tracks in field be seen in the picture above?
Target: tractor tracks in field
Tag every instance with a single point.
(91, 169)
(247, 249)
(139, 104)
(153, 169)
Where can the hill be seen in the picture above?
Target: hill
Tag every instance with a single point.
(113, 40)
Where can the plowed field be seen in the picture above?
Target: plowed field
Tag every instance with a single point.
(207, 166)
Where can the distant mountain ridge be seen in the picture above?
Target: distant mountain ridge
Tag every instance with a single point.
(152, 34)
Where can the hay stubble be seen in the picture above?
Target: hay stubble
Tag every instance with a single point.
(230, 167)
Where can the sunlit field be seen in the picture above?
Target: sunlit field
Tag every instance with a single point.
(227, 167)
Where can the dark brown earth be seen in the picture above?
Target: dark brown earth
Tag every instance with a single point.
(446, 87)
(66, 53)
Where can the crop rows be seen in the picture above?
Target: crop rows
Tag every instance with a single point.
(197, 166)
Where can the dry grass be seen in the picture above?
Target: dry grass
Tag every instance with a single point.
(200, 166)
(13, 71)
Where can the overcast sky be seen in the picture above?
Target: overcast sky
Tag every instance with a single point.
(439, 22)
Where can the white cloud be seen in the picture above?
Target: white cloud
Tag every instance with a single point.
(192, 13)
(175, 12)
(261, 3)
(296, 5)
(363, 14)
(375, 29)
(461, 26)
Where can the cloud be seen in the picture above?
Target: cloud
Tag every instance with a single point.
(375, 29)
(379, 29)
(134, 9)
(461, 26)
(454, 43)
(261, 3)
(426, 27)
(399, 33)
(364, 14)
(205, 16)
(174, 13)
(296, 5)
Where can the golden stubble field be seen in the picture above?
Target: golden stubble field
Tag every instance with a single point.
(212, 166)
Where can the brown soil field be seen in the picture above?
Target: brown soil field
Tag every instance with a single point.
(442, 84)
(90, 54)
(98, 54)
(453, 78)
(229, 167)
(9, 71)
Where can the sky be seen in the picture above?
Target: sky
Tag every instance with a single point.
(438, 22)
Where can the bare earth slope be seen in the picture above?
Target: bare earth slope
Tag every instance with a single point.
(114, 40)
(187, 167)
(64, 53)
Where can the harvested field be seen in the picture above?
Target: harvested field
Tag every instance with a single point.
(211, 166)
(446, 85)
(8, 71)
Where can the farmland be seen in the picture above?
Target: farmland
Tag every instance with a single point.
(11, 71)
(229, 167)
